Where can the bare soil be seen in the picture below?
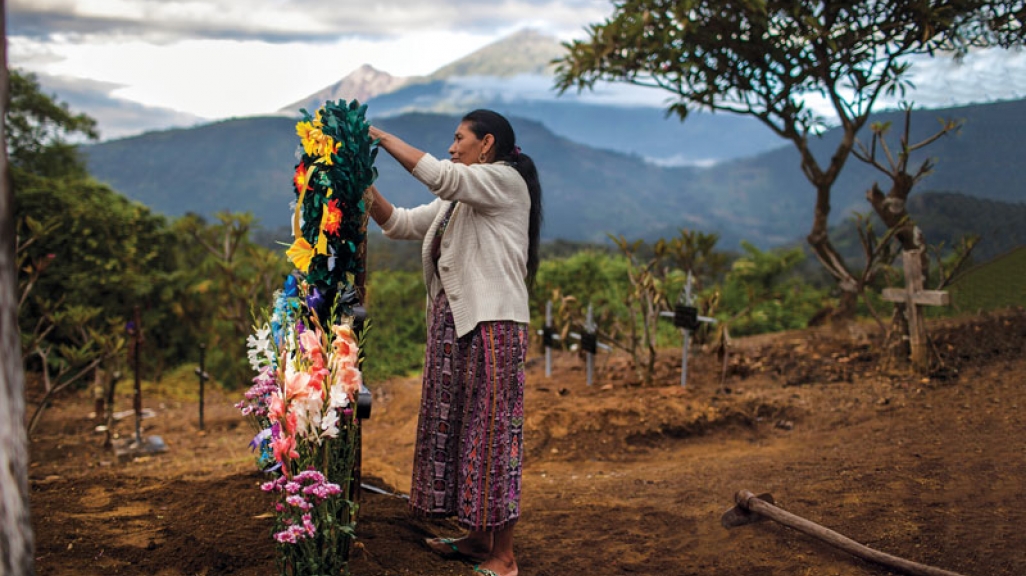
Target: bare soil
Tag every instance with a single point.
(619, 478)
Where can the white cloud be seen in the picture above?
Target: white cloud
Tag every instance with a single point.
(221, 78)
(220, 58)
(285, 20)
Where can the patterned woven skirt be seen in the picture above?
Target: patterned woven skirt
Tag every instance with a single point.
(467, 461)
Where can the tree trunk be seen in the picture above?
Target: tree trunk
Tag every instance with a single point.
(892, 209)
(832, 260)
(16, 542)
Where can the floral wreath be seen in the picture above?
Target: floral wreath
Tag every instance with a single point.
(336, 166)
(307, 351)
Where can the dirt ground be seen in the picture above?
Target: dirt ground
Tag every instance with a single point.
(618, 479)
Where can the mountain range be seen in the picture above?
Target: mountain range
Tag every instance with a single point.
(608, 165)
(514, 76)
(246, 165)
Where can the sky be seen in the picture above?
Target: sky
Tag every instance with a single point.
(138, 64)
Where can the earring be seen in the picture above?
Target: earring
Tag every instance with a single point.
(481, 158)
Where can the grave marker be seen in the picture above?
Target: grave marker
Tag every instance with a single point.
(913, 296)
(685, 316)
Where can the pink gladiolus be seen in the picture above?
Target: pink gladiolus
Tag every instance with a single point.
(284, 449)
(298, 385)
(277, 408)
(345, 347)
(311, 341)
(350, 378)
(316, 382)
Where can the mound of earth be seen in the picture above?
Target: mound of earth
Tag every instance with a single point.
(619, 478)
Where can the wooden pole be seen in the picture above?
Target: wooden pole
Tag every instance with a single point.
(16, 538)
(202, 373)
(137, 399)
(548, 349)
(749, 501)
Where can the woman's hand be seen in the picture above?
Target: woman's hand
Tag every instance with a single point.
(376, 133)
(407, 155)
(378, 208)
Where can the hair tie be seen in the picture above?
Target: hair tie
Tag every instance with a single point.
(516, 153)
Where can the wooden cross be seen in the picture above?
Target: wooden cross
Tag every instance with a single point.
(686, 317)
(914, 297)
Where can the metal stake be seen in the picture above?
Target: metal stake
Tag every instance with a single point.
(201, 372)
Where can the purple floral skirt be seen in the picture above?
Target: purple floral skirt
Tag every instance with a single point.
(470, 439)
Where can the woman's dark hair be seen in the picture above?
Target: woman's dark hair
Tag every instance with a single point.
(482, 122)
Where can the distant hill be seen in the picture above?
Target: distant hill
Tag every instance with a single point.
(246, 165)
(945, 217)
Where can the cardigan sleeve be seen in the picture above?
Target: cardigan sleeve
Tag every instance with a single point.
(485, 187)
(411, 223)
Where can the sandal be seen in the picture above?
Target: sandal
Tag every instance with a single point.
(485, 571)
(453, 552)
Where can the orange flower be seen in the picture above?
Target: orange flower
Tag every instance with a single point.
(332, 218)
(344, 345)
(302, 178)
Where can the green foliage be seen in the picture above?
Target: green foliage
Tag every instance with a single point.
(395, 338)
(996, 284)
(761, 293)
(763, 58)
(225, 276)
(38, 131)
(246, 164)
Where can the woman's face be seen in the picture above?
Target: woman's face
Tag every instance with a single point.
(467, 148)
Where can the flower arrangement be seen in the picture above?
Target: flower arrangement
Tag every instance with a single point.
(306, 350)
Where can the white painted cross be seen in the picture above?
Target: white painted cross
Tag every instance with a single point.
(914, 297)
(589, 341)
(685, 316)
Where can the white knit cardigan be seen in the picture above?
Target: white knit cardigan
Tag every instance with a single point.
(483, 263)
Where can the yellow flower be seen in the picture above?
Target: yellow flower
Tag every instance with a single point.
(300, 253)
(310, 137)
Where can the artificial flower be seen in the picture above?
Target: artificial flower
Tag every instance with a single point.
(331, 218)
(301, 179)
(301, 253)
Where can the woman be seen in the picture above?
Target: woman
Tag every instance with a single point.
(480, 253)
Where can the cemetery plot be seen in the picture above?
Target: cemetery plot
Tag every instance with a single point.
(619, 479)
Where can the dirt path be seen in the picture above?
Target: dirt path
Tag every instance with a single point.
(618, 479)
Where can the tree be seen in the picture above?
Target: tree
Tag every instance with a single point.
(40, 130)
(763, 58)
(16, 541)
(236, 275)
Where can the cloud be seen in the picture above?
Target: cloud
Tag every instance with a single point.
(116, 117)
(278, 21)
(983, 75)
(220, 58)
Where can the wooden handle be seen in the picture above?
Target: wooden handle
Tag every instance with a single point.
(749, 501)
